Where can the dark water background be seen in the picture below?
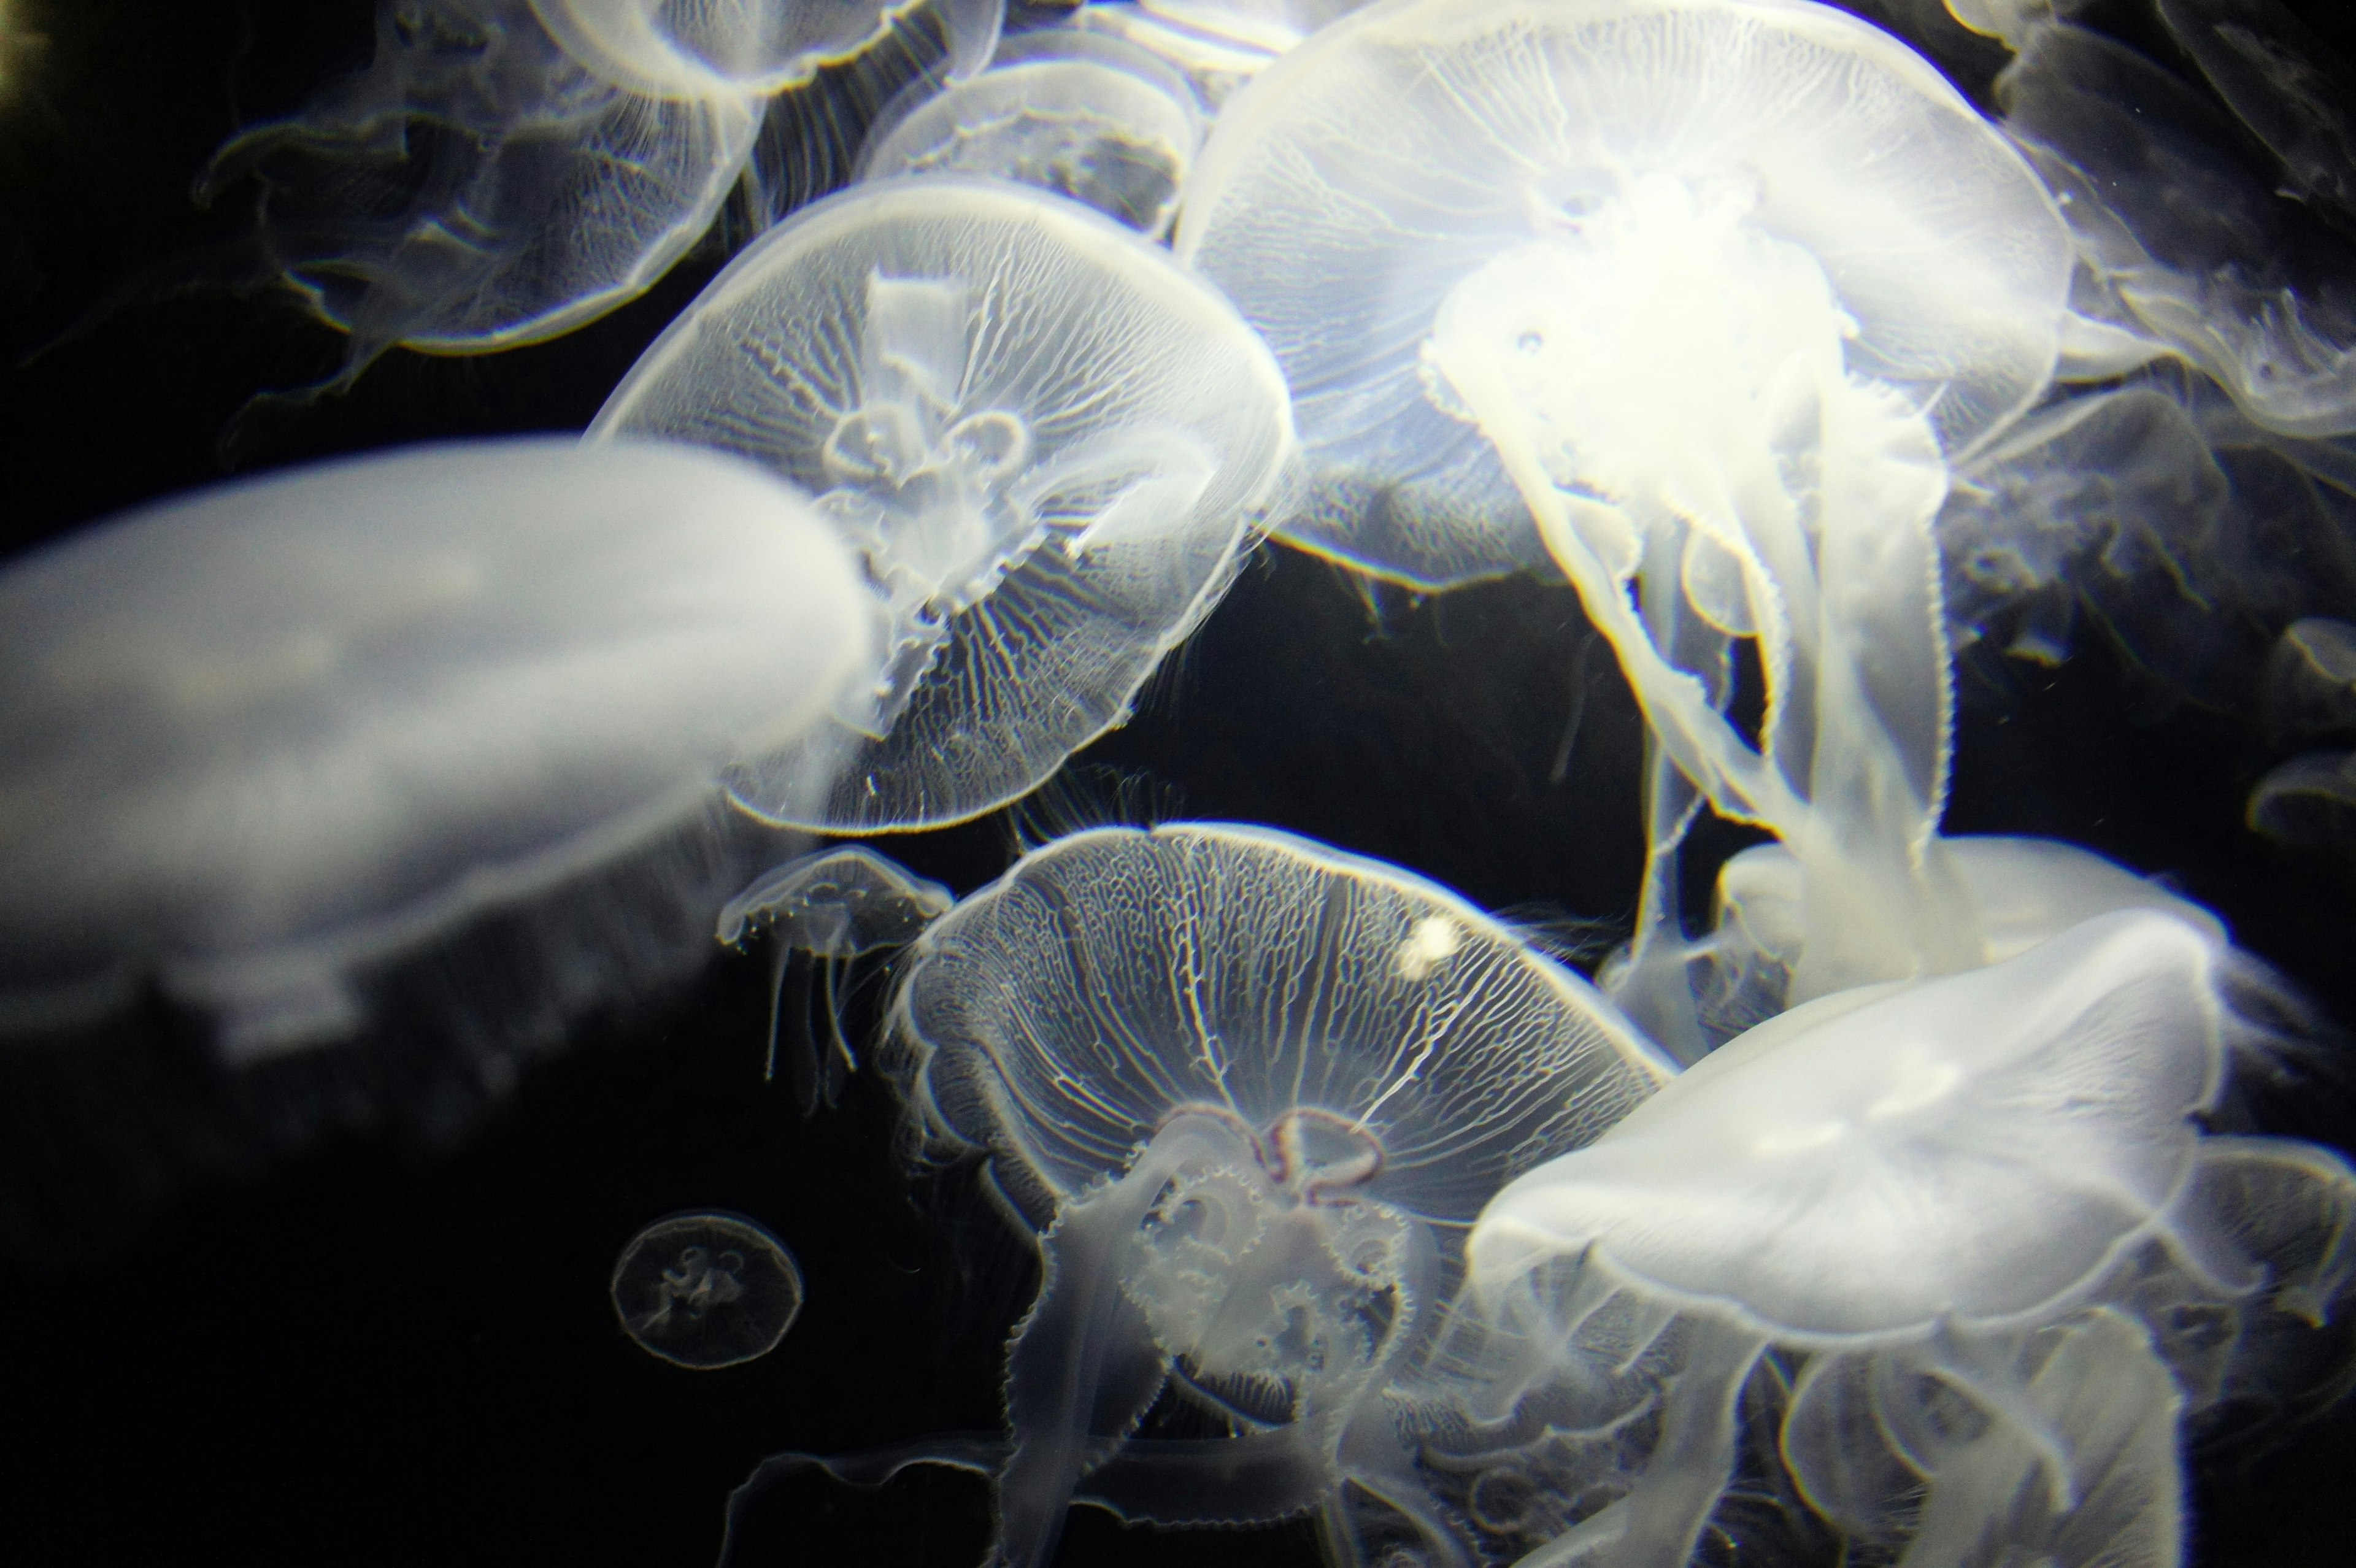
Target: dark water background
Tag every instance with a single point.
(385, 1349)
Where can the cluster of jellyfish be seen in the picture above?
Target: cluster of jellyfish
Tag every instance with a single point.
(1916, 1188)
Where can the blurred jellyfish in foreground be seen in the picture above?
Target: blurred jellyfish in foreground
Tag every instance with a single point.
(828, 908)
(706, 1291)
(1046, 441)
(1250, 1091)
(1075, 112)
(506, 170)
(266, 739)
(1604, 267)
(1979, 1218)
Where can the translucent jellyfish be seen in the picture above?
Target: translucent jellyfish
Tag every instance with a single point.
(270, 736)
(2284, 82)
(2182, 228)
(1077, 113)
(829, 907)
(506, 170)
(1250, 1092)
(2311, 679)
(706, 1291)
(1048, 441)
(1219, 44)
(2308, 802)
(1587, 265)
(2016, 892)
(1953, 1197)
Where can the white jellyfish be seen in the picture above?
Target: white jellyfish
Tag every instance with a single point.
(265, 739)
(828, 908)
(1713, 293)
(706, 1290)
(1954, 1199)
(1046, 441)
(1250, 1092)
(1076, 111)
(506, 170)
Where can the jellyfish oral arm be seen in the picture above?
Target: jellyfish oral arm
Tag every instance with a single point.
(1550, 351)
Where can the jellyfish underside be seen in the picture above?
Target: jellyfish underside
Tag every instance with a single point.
(1785, 499)
(826, 909)
(1240, 1261)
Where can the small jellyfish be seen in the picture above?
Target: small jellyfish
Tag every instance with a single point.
(829, 907)
(2311, 679)
(265, 739)
(706, 1290)
(1249, 1090)
(2308, 802)
(1046, 440)
(1077, 113)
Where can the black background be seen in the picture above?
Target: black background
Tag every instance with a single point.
(385, 1349)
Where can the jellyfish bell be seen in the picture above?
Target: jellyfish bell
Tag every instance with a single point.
(1046, 441)
(1072, 111)
(705, 1291)
(1938, 1179)
(1250, 1091)
(269, 738)
(829, 907)
(1219, 44)
(686, 49)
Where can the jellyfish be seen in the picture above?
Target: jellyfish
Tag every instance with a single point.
(2181, 228)
(1219, 44)
(830, 906)
(268, 739)
(1250, 1091)
(1046, 441)
(2282, 83)
(507, 170)
(2311, 679)
(707, 1290)
(1592, 264)
(1072, 111)
(1951, 1200)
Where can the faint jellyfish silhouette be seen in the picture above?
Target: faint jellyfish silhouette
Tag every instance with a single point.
(1075, 112)
(706, 1290)
(2312, 680)
(828, 908)
(2187, 243)
(1046, 441)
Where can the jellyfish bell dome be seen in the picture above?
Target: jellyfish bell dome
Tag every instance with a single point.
(1046, 441)
(1117, 977)
(264, 735)
(705, 48)
(1975, 1149)
(1074, 111)
(1690, 192)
